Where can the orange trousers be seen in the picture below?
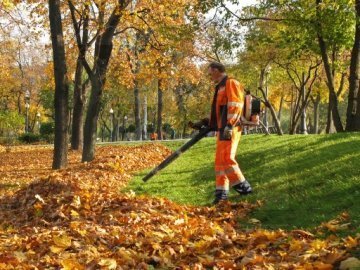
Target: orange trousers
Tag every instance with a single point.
(226, 168)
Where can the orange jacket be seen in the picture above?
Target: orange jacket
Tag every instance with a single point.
(228, 104)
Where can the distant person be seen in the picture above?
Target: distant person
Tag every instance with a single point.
(153, 136)
(172, 133)
(226, 112)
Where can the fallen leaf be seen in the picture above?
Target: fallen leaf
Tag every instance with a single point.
(71, 264)
(108, 263)
(350, 264)
(62, 240)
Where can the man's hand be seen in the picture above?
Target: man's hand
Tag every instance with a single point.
(228, 133)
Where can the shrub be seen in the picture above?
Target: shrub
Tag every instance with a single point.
(131, 128)
(29, 138)
(48, 138)
(11, 123)
(47, 129)
(166, 127)
(150, 128)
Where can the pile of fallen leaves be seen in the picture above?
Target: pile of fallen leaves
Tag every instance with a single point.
(77, 219)
(113, 165)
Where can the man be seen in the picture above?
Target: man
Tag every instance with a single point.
(227, 109)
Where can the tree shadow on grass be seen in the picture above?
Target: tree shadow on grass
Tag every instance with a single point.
(302, 180)
(310, 186)
(300, 185)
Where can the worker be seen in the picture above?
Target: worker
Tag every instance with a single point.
(153, 136)
(226, 112)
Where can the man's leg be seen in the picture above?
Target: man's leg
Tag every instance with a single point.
(232, 170)
(222, 182)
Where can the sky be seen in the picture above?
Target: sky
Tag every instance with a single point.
(244, 3)
(45, 38)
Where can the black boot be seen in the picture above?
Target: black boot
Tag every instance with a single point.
(220, 195)
(243, 188)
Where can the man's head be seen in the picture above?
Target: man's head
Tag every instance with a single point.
(216, 71)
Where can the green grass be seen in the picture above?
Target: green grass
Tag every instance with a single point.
(302, 180)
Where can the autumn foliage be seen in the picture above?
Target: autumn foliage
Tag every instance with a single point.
(78, 219)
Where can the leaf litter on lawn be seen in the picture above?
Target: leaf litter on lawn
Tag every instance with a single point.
(77, 219)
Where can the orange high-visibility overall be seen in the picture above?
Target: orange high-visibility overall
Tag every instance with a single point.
(227, 110)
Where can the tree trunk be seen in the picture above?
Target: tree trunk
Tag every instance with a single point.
(77, 122)
(353, 109)
(61, 87)
(295, 109)
(280, 108)
(310, 125)
(115, 128)
(137, 112)
(184, 131)
(159, 110)
(180, 92)
(145, 121)
(330, 127)
(69, 121)
(269, 105)
(92, 116)
(316, 103)
(303, 129)
(18, 103)
(275, 118)
(90, 127)
(333, 99)
(291, 110)
(185, 125)
(103, 50)
(80, 86)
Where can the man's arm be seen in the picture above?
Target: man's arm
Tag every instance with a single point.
(235, 105)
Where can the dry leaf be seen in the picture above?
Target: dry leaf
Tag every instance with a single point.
(71, 264)
(350, 264)
(108, 263)
(62, 240)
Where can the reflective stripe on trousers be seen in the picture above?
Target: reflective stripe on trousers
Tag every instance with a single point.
(226, 168)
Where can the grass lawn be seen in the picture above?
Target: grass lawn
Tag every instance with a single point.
(302, 180)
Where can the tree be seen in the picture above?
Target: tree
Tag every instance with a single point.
(61, 86)
(328, 23)
(333, 111)
(141, 41)
(81, 29)
(353, 110)
(97, 74)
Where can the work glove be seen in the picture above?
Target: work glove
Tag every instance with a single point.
(228, 133)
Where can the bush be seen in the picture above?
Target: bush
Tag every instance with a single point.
(150, 128)
(48, 138)
(166, 127)
(11, 123)
(131, 128)
(30, 138)
(47, 129)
